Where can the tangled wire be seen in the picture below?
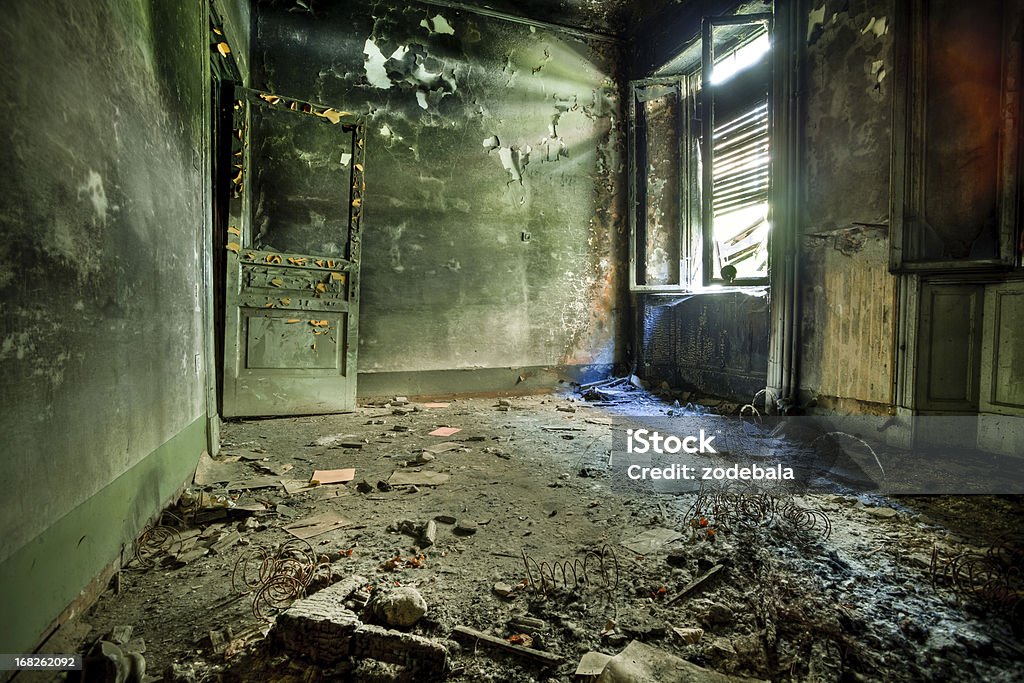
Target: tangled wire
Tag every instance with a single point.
(721, 507)
(276, 576)
(994, 577)
(154, 542)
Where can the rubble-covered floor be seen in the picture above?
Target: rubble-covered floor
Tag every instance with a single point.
(528, 474)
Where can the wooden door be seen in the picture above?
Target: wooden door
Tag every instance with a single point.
(293, 243)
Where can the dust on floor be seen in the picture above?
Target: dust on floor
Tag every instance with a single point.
(849, 598)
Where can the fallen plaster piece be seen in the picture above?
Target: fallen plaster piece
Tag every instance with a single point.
(436, 405)
(592, 664)
(333, 476)
(641, 663)
(443, 447)
(316, 525)
(209, 471)
(333, 440)
(444, 431)
(651, 540)
(293, 486)
(421, 99)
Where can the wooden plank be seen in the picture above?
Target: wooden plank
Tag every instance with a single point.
(473, 636)
(444, 447)
(697, 583)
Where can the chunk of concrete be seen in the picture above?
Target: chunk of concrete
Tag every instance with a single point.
(400, 607)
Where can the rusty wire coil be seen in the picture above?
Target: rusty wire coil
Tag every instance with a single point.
(750, 506)
(155, 541)
(598, 568)
(994, 577)
(252, 569)
(275, 595)
(276, 576)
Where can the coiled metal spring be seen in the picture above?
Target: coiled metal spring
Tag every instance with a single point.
(597, 568)
(276, 576)
(757, 507)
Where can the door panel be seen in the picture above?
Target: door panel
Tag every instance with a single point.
(293, 258)
(949, 347)
(1003, 374)
(1001, 424)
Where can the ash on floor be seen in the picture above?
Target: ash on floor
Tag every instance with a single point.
(495, 553)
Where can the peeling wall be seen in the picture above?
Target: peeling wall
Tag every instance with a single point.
(100, 272)
(848, 103)
(847, 295)
(494, 171)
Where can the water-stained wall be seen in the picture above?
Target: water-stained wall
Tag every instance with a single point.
(101, 344)
(847, 295)
(493, 213)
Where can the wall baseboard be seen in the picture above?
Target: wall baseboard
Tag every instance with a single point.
(478, 381)
(57, 575)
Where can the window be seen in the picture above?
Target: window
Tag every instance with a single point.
(700, 162)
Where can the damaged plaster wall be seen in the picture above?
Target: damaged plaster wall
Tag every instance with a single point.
(494, 171)
(847, 294)
(100, 277)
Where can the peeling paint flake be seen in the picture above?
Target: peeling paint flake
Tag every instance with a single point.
(376, 74)
(438, 24)
(815, 18)
(878, 26)
(93, 189)
(878, 70)
(515, 160)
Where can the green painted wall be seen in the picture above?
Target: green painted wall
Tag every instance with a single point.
(42, 577)
(103, 105)
(479, 130)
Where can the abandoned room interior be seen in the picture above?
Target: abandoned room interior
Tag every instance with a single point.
(497, 340)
